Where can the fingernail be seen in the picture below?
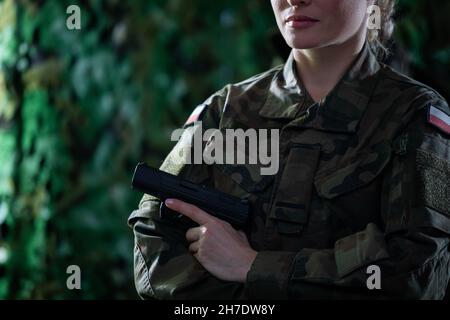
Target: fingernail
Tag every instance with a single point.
(169, 202)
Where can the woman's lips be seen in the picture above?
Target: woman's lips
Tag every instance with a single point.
(300, 22)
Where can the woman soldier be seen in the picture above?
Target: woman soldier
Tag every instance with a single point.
(360, 206)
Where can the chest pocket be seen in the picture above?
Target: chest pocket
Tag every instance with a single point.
(241, 180)
(236, 166)
(357, 173)
(292, 197)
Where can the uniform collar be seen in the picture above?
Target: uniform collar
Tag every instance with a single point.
(340, 111)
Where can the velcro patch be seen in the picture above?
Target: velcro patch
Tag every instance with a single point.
(439, 119)
(432, 186)
(195, 115)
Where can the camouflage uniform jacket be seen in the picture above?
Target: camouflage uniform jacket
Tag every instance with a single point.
(364, 180)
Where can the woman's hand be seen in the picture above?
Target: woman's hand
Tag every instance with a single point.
(220, 249)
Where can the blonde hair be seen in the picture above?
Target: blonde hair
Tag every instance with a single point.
(379, 39)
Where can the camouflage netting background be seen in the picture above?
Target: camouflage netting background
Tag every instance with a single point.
(79, 108)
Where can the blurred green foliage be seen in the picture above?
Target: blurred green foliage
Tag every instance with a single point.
(423, 31)
(79, 108)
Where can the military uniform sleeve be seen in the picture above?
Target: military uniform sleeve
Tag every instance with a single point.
(410, 246)
(163, 266)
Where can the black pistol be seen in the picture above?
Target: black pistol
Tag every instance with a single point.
(164, 186)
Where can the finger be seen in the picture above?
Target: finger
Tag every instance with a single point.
(189, 210)
(194, 234)
(243, 236)
(194, 246)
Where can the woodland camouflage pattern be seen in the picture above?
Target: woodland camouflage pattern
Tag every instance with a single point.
(363, 179)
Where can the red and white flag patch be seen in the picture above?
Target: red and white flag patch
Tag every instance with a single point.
(439, 119)
(195, 115)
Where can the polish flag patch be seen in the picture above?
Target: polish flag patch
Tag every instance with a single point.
(439, 119)
(195, 115)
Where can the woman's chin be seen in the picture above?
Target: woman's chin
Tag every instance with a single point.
(303, 43)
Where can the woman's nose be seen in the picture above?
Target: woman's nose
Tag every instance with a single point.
(298, 3)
